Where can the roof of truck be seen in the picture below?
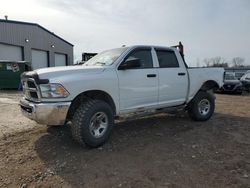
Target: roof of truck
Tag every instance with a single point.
(150, 46)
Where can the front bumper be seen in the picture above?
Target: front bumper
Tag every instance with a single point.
(45, 113)
(231, 88)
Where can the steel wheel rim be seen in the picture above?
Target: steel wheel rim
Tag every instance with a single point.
(204, 107)
(98, 124)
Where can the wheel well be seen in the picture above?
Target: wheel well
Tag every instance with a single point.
(209, 85)
(93, 94)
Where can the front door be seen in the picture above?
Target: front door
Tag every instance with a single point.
(138, 87)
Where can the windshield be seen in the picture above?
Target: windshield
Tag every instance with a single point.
(246, 76)
(230, 77)
(105, 58)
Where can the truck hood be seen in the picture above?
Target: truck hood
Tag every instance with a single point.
(54, 72)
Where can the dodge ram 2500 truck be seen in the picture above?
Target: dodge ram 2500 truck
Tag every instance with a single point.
(115, 83)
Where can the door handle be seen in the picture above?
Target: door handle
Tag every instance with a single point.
(151, 75)
(181, 74)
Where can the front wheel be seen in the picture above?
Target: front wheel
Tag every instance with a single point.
(92, 123)
(201, 108)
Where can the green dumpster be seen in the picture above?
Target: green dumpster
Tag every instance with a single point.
(10, 72)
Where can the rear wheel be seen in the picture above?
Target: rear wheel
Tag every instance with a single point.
(92, 123)
(201, 108)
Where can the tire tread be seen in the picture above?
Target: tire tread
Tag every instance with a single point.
(78, 126)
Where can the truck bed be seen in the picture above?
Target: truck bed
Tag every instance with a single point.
(198, 76)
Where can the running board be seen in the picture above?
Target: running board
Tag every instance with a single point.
(141, 114)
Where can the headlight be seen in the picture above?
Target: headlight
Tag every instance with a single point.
(53, 91)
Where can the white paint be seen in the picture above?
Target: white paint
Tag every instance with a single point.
(136, 89)
(172, 87)
(131, 89)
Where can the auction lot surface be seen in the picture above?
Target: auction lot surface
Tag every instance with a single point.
(158, 151)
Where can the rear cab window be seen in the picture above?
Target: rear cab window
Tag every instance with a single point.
(167, 58)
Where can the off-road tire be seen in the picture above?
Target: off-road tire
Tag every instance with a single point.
(193, 106)
(80, 127)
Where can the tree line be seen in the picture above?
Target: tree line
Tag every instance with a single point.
(222, 62)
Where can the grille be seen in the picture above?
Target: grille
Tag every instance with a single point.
(30, 89)
(31, 84)
(229, 86)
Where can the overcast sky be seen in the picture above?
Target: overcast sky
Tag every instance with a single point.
(207, 28)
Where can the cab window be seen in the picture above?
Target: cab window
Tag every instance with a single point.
(167, 59)
(144, 55)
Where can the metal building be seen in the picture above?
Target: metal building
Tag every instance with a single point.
(23, 41)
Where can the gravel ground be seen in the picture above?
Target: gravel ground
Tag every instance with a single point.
(157, 151)
(12, 120)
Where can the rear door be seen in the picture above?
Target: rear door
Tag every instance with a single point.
(138, 87)
(173, 78)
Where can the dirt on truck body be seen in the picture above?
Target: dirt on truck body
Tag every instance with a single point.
(156, 151)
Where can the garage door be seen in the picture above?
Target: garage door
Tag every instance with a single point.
(60, 59)
(39, 59)
(9, 52)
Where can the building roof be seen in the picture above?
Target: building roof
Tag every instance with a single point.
(34, 24)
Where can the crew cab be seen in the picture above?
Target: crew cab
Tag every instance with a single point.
(116, 83)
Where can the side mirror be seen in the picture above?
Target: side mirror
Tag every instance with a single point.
(130, 64)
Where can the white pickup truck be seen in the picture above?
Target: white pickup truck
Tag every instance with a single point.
(115, 83)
